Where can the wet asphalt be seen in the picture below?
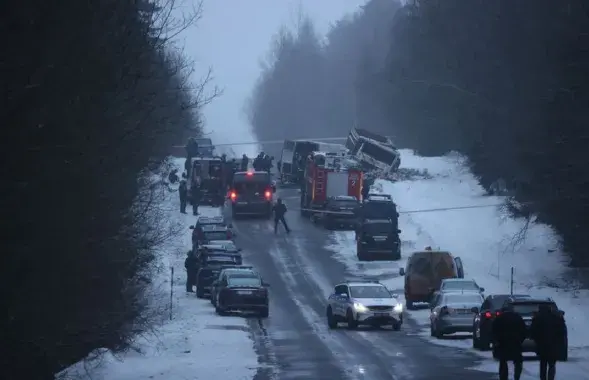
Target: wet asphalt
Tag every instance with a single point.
(295, 343)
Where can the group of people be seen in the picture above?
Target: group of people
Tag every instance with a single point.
(263, 162)
(548, 330)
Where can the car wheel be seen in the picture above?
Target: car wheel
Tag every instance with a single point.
(352, 323)
(397, 326)
(431, 330)
(475, 340)
(331, 321)
(200, 292)
(212, 299)
(409, 304)
(437, 333)
(220, 311)
(265, 312)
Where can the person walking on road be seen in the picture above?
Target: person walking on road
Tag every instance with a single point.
(183, 192)
(190, 265)
(279, 210)
(509, 333)
(548, 330)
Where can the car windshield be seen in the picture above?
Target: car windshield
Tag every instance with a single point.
(459, 285)
(463, 298)
(244, 279)
(216, 235)
(360, 291)
(531, 308)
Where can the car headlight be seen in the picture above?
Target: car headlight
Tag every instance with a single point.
(398, 308)
(359, 307)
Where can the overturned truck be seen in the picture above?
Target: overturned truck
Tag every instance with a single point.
(373, 151)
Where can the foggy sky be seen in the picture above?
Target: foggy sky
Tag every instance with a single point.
(234, 37)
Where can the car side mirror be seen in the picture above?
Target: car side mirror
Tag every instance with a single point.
(482, 289)
(191, 227)
(395, 296)
(229, 225)
(561, 312)
(215, 283)
(239, 249)
(344, 295)
(475, 310)
(265, 284)
(401, 271)
(399, 231)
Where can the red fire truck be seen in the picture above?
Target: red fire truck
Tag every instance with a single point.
(329, 175)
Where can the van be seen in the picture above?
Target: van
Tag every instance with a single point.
(425, 271)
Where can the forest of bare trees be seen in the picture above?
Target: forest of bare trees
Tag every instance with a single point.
(505, 83)
(94, 93)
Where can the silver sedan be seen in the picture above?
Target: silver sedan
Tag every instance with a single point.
(453, 312)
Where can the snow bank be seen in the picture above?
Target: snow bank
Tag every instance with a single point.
(451, 211)
(195, 344)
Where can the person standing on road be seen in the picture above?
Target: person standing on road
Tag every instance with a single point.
(279, 210)
(183, 192)
(190, 265)
(244, 163)
(509, 333)
(548, 330)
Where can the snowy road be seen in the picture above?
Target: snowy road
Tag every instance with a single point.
(295, 342)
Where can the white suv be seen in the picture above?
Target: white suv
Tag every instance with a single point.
(364, 303)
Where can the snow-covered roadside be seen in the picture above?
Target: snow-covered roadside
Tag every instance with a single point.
(483, 236)
(195, 344)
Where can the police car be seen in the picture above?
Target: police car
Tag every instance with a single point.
(363, 303)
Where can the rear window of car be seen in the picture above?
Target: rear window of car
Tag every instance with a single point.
(216, 235)
(383, 228)
(529, 308)
(459, 285)
(244, 279)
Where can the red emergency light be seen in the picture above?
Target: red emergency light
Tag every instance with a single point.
(268, 194)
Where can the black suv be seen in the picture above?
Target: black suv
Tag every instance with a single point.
(340, 212)
(209, 268)
(241, 291)
(378, 239)
(482, 322)
(378, 206)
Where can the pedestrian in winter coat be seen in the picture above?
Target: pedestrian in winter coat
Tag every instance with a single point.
(183, 192)
(190, 264)
(195, 195)
(173, 176)
(244, 163)
(279, 210)
(509, 333)
(548, 330)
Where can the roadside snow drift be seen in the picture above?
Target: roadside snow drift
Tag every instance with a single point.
(443, 206)
(196, 343)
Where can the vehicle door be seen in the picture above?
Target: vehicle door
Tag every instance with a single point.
(341, 300)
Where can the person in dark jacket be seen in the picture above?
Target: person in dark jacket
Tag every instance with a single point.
(279, 210)
(195, 195)
(509, 333)
(173, 176)
(183, 192)
(244, 163)
(190, 264)
(548, 330)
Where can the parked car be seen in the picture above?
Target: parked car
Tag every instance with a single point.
(453, 312)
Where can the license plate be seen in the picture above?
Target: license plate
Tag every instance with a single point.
(528, 323)
(244, 292)
(241, 203)
(381, 314)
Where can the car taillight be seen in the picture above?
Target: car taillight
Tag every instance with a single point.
(233, 195)
(490, 315)
(268, 194)
(229, 235)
